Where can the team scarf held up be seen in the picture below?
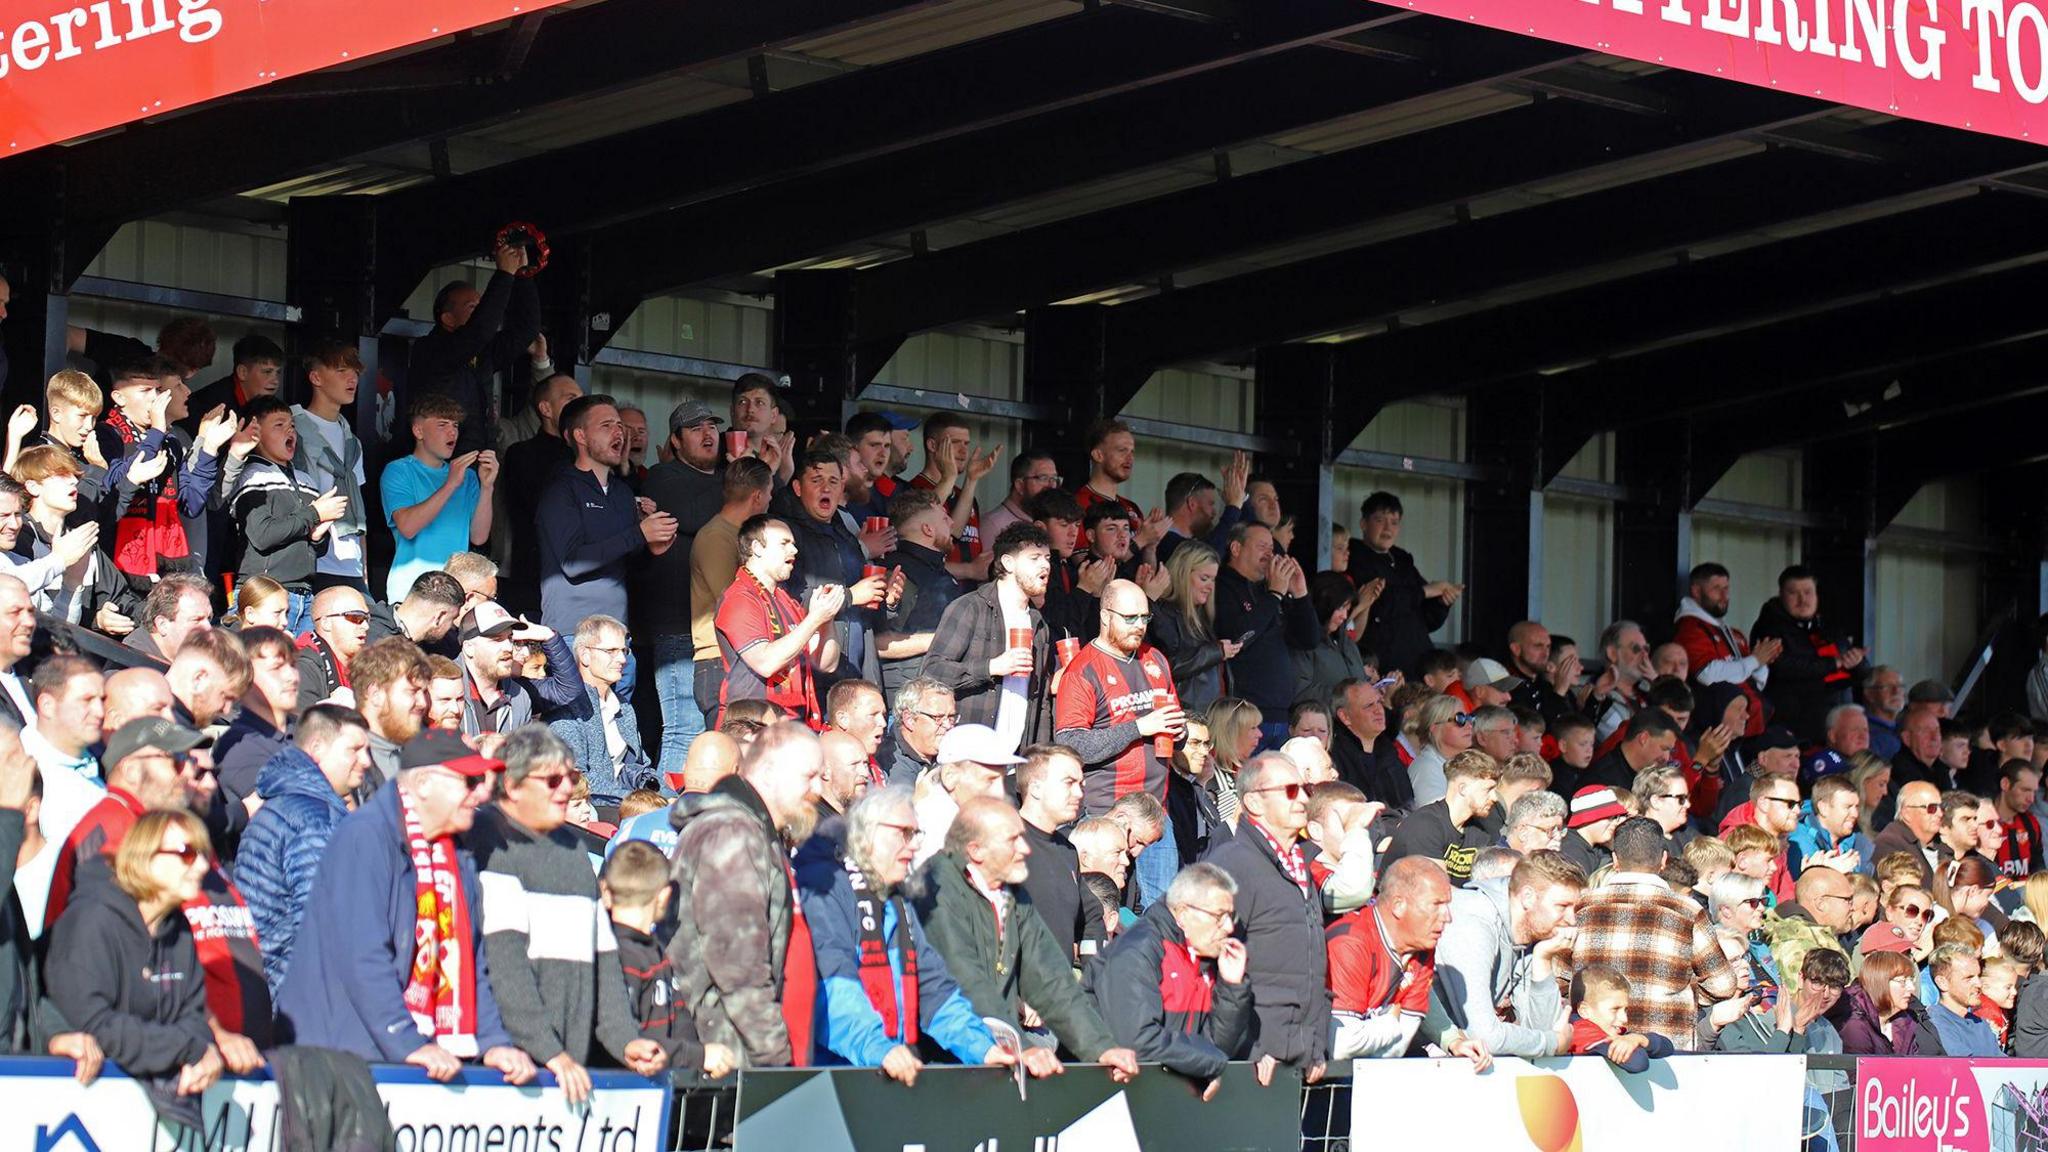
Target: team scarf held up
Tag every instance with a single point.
(149, 530)
(441, 991)
(875, 975)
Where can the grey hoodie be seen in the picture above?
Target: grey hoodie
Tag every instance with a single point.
(1479, 966)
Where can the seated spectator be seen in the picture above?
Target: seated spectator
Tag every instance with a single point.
(1382, 961)
(1957, 974)
(846, 774)
(1535, 823)
(925, 712)
(1812, 671)
(994, 684)
(1827, 830)
(389, 679)
(1573, 735)
(1282, 918)
(20, 971)
(90, 592)
(2001, 985)
(1500, 959)
(389, 962)
(972, 763)
(553, 959)
(263, 725)
(1914, 832)
(2020, 848)
(1660, 941)
(1651, 736)
(1908, 910)
(427, 614)
(1442, 729)
(765, 637)
(1600, 1001)
(742, 949)
(1183, 626)
(600, 729)
(1361, 750)
(1489, 684)
(258, 371)
(1406, 609)
(436, 503)
(1885, 1016)
(1622, 690)
(70, 701)
(636, 891)
(923, 539)
(179, 605)
(1589, 831)
(1310, 719)
(447, 693)
(500, 698)
(1451, 830)
(1335, 657)
(261, 602)
(1340, 826)
(884, 985)
(305, 787)
(1823, 911)
(1521, 774)
(1495, 732)
(1173, 988)
(340, 626)
(283, 518)
(1848, 732)
(1661, 793)
(123, 968)
(1737, 905)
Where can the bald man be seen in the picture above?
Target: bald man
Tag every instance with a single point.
(1914, 829)
(713, 756)
(846, 772)
(341, 626)
(134, 692)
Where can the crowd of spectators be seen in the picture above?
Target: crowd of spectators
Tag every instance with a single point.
(768, 754)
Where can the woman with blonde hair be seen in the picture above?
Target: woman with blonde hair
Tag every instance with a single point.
(1872, 776)
(122, 965)
(1233, 737)
(1184, 626)
(1441, 728)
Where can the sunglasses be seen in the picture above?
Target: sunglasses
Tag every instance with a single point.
(555, 780)
(1462, 719)
(1930, 809)
(187, 855)
(1922, 914)
(353, 617)
(1680, 797)
(1292, 791)
(1755, 902)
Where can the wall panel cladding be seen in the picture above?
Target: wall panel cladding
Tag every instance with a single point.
(1930, 599)
(1754, 554)
(969, 365)
(1211, 399)
(1433, 509)
(1578, 549)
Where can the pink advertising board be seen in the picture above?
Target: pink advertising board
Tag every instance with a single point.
(1911, 1105)
(1975, 64)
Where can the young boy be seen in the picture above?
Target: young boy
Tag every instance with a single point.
(332, 456)
(436, 503)
(1600, 1022)
(88, 592)
(73, 400)
(284, 518)
(258, 372)
(1574, 736)
(2001, 986)
(1756, 852)
(159, 479)
(636, 892)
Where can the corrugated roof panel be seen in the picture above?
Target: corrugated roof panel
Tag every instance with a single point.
(1125, 189)
(576, 121)
(1399, 119)
(932, 28)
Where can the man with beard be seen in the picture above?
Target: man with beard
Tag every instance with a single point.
(1546, 683)
(1196, 511)
(500, 699)
(1112, 453)
(871, 435)
(765, 637)
(690, 486)
(952, 471)
(1720, 657)
(1451, 830)
(1813, 672)
(1262, 598)
(996, 683)
(390, 682)
(590, 525)
(846, 774)
(885, 986)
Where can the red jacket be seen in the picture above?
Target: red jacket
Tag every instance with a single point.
(1706, 640)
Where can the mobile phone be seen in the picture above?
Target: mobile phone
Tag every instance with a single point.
(1247, 638)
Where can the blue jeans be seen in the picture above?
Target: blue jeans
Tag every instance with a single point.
(298, 618)
(1272, 734)
(1157, 866)
(675, 679)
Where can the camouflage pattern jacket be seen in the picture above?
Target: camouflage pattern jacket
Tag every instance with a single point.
(732, 921)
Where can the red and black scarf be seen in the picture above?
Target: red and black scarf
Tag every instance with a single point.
(149, 529)
(899, 1022)
(440, 991)
(794, 688)
(1289, 856)
(799, 979)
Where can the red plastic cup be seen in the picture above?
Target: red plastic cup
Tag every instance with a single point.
(736, 444)
(1020, 638)
(875, 524)
(870, 571)
(1162, 745)
(1068, 649)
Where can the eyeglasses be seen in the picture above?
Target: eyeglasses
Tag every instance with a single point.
(1679, 797)
(1756, 902)
(1222, 919)
(555, 780)
(1922, 914)
(909, 832)
(1054, 480)
(1930, 809)
(1137, 621)
(1293, 791)
(186, 854)
(939, 719)
(352, 616)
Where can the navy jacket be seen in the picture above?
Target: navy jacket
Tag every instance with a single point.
(281, 851)
(464, 363)
(588, 537)
(1263, 672)
(354, 950)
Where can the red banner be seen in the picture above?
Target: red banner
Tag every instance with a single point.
(72, 67)
(1976, 64)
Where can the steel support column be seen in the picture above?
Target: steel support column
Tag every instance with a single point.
(331, 279)
(1840, 487)
(1066, 366)
(1504, 511)
(1651, 528)
(1295, 402)
(815, 314)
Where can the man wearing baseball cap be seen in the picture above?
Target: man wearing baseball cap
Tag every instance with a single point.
(499, 698)
(972, 761)
(688, 484)
(1489, 682)
(389, 962)
(1596, 811)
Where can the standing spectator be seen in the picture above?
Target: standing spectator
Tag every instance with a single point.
(123, 968)
(475, 332)
(305, 787)
(284, 519)
(994, 682)
(72, 403)
(1722, 664)
(1383, 962)
(600, 730)
(1075, 585)
(1001, 956)
(90, 593)
(1650, 737)
(1659, 940)
(925, 712)
(437, 502)
(535, 459)
(1622, 690)
(1452, 830)
(338, 628)
(1184, 626)
(1813, 671)
(1957, 974)
(829, 555)
(590, 529)
(1500, 959)
(389, 962)
(1334, 658)
(973, 762)
(554, 961)
(924, 536)
(500, 698)
(1262, 602)
(1282, 918)
(1112, 454)
(258, 371)
(742, 948)
(150, 768)
(884, 985)
(1406, 609)
(21, 1021)
(330, 454)
(70, 704)
(1116, 701)
(714, 567)
(870, 433)
(636, 892)
(952, 471)
(1031, 472)
(2019, 850)
(263, 724)
(45, 573)
(154, 481)
(757, 411)
(857, 708)
(1546, 683)
(1194, 512)
(690, 487)
(774, 648)
(1049, 799)
(1173, 986)
(179, 605)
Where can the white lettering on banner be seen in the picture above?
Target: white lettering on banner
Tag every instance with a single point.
(1913, 1115)
(114, 21)
(43, 1108)
(1875, 29)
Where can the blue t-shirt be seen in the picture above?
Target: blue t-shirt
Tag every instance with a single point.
(653, 827)
(407, 482)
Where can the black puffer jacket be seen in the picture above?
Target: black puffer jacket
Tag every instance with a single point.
(1283, 931)
(1804, 681)
(1398, 628)
(1165, 1005)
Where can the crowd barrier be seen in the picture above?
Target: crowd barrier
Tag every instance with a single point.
(1817, 1104)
